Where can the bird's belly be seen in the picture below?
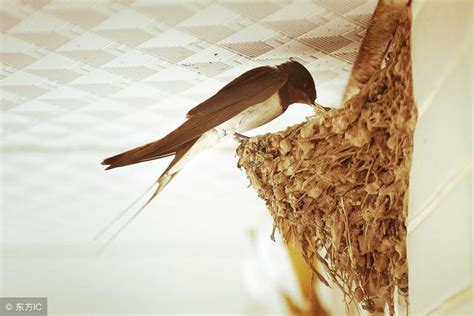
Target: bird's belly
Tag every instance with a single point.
(253, 117)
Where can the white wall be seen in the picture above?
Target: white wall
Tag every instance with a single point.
(440, 214)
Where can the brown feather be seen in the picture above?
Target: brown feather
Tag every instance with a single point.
(243, 87)
(130, 157)
(252, 87)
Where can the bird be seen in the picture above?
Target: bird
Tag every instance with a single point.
(252, 99)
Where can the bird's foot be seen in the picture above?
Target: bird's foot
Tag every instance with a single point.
(240, 138)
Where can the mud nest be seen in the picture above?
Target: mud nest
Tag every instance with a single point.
(337, 184)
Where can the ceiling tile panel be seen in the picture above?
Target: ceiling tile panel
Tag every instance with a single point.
(35, 4)
(25, 92)
(296, 10)
(137, 73)
(129, 37)
(255, 10)
(293, 28)
(87, 40)
(209, 68)
(38, 22)
(10, 44)
(49, 40)
(170, 14)
(173, 54)
(214, 14)
(253, 33)
(81, 80)
(334, 27)
(53, 60)
(327, 44)
(250, 49)
(341, 6)
(125, 18)
(18, 60)
(212, 33)
(7, 21)
(171, 37)
(84, 17)
(94, 57)
(62, 76)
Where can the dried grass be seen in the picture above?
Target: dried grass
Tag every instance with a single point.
(338, 183)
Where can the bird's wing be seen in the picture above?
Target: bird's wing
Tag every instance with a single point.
(252, 87)
(249, 84)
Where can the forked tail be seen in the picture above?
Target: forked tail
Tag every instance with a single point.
(162, 181)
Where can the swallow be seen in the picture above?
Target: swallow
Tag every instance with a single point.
(254, 98)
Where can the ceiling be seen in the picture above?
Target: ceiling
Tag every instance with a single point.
(81, 80)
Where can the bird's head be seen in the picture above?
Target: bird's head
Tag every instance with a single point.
(301, 86)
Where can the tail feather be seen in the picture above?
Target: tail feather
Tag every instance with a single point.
(163, 181)
(166, 176)
(140, 154)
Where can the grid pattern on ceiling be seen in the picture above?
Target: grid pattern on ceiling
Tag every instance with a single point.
(101, 60)
(82, 80)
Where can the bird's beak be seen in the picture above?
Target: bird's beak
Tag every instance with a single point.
(317, 105)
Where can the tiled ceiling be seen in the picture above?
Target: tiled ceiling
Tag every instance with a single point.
(81, 80)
